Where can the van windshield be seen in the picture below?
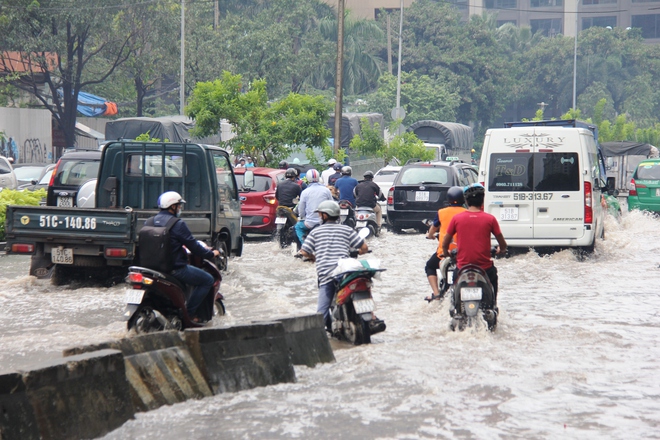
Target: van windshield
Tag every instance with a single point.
(534, 172)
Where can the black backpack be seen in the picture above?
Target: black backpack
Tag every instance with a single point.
(154, 246)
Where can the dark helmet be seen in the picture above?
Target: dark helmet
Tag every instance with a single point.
(346, 171)
(291, 173)
(284, 165)
(337, 166)
(473, 190)
(455, 196)
(368, 175)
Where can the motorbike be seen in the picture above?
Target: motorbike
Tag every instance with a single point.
(157, 301)
(366, 219)
(352, 308)
(286, 221)
(472, 294)
(346, 213)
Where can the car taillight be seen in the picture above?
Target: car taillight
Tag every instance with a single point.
(265, 220)
(52, 176)
(588, 209)
(390, 196)
(633, 188)
(270, 199)
(22, 248)
(116, 252)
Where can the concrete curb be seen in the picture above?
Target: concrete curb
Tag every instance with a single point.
(96, 388)
(82, 396)
(159, 369)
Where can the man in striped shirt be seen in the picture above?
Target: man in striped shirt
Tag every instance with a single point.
(326, 244)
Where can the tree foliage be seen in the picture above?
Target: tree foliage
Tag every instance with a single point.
(401, 147)
(15, 197)
(266, 131)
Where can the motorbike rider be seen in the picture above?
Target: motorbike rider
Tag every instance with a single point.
(346, 184)
(288, 190)
(283, 165)
(326, 245)
(333, 177)
(368, 193)
(456, 200)
(473, 229)
(325, 174)
(171, 204)
(310, 199)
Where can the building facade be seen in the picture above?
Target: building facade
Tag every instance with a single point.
(552, 17)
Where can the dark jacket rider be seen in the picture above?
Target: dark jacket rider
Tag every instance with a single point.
(288, 190)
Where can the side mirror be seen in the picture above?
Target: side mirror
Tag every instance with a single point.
(110, 185)
(248, 179)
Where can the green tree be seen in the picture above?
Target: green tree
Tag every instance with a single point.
(266, 131)
(57, 44)
(401, 147)
(421, 96)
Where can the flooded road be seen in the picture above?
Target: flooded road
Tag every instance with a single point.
(575, 354)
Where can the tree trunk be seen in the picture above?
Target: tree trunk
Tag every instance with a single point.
(140, 92)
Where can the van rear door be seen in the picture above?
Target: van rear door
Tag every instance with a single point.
(558, 194)
(509, 192)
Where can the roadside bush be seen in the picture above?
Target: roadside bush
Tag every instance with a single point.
(11, 197)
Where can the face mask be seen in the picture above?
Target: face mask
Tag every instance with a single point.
(178, 212)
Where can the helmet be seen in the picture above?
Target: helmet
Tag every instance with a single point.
(329, 207)
(474, 189)
(332, 162)
(337, 166)
(291, 172)
(284, 165)
(312, 175)
(347, 171)
(368, 174)
(455, 196)
(169, 198)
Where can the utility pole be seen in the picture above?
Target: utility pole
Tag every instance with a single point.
(389, 45)
(339, 77)
(216, 14)
(182, 78)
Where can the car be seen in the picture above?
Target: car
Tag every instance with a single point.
(7, 176)
(384, 177)
(72, 170)
(41, 181)
(644, 192)
(420, 190)
(257, 194)
(27, 172)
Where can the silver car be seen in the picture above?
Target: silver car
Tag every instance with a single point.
(384, 177)
(7, 175)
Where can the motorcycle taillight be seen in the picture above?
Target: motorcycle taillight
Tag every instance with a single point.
(135, 277)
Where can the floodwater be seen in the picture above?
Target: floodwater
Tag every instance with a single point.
(575, 354)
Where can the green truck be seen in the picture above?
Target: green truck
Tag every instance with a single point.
(103, 240)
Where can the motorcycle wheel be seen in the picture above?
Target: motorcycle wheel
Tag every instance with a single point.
(357, 330)
(284, 236)
(144, 321)
(218, 308)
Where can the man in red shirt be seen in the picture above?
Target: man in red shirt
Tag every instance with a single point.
(473, 229)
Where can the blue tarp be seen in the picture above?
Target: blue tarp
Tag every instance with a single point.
(92, 105)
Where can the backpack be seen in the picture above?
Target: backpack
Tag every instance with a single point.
(154, 246)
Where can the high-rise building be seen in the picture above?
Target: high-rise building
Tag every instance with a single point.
(552, 17)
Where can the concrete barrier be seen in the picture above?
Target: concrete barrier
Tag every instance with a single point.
(159, 369)
(242, 357)
(82, 396)
(307, 340)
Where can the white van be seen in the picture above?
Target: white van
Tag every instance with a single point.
(544, 184)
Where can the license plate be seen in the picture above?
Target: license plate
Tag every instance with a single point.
(360, 224)
(61, 255)
(470, 293)
(508, 214)
(343, 212)
(450, 277)
(657, 192)
(65, 202)
(280, 220)
(364, 306)
(134, 296)
(422, 196)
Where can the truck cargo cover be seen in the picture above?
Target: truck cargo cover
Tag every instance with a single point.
(627, 148)
(453, 135)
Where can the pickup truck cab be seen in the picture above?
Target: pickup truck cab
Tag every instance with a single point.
(131, 177)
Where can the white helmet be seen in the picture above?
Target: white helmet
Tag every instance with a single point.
(169, 198)
(331, 162)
